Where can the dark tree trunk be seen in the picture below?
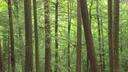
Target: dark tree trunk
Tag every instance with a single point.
(116, 35)
(88, 35)
(11, 36)
(113, 26)
(56, 36)
(36, 36)
(69, 27)
(47, 38)
(79, 30)
(110, 34)
(28, 37)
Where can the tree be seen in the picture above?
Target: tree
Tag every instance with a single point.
(47, 37)
(11, 36)
(36, 36)
(113, 27)
(110, 33)
(116, 35)
(69, 28)
(56, 36)
(88, 35)
(1, 59)
(28, 37)
(79, 30)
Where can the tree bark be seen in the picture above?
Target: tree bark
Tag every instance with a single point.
(28, 37)
(110, 34)
(79, 30)
(88, 35)
(47, 38)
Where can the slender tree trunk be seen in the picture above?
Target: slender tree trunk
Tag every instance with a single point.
(11, 36)
(28, 37)
(47, 38)
(110, 34)
(9, 55)
(90, 17)
(56, 36)
(116, 35)
(1, 59)
(69, 28)
(113, 26)
(36, 36)
(79, 30)
(88, 35)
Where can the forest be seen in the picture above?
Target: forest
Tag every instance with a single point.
(63, 35)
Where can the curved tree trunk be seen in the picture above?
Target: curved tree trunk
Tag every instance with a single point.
(113, 27)
(116, 35)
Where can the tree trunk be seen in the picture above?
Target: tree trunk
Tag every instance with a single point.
(28, 37)
(47, 38)
(56, 36)
(110, 21)
(36, 36)
(9, 56)
(116, 35)
(113, 26)
(69, 28)
(88, 35)
(79, 30)
(11, 36)
(1, 59)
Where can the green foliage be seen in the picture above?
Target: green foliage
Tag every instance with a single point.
(19, 34)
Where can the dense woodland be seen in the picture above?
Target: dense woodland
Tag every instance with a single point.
(63, 36)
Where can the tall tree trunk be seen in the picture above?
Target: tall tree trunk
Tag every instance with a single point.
(1, 59)
(69, 27)
(113, 26)
(79, 30)
(47, 38)
(90, 17)
(110, 21)
(28, 37)
(36, 36)
(56, 36)
(9, 55)
(88, 35)
(116, 35)
(11, 36)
